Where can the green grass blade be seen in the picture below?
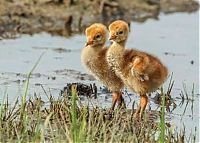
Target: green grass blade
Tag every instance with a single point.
(162, 119)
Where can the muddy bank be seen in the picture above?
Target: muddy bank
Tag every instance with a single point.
(64, 17)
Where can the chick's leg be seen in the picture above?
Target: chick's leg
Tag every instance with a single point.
(117, 97)
(121, 102)
(143, 104)
(114, 99)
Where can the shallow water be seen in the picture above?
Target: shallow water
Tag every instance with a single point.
(173, 39)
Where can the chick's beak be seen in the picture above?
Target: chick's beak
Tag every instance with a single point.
(112, 37)
(89, 42)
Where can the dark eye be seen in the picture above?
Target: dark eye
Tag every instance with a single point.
(120, 32)
(98, 36)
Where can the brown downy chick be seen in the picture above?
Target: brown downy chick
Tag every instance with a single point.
(141, 72)
(93, 57)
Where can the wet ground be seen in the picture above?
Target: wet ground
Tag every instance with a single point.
(66, 17)
(174, 39)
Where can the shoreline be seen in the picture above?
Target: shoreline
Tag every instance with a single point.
(65, 18)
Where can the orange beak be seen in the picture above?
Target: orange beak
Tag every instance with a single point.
(89, 42)
(112, 37)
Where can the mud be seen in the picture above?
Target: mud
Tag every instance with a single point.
(75, 74)
(82, 90)
(12, 77)
(67, 17)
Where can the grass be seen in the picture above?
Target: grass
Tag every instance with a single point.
(25, 120)
(66, 119)
(162, 119)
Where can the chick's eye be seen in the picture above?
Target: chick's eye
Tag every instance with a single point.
(98, 36)
(120, 32)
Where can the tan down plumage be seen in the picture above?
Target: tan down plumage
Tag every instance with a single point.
(141, 72)
(93, 57)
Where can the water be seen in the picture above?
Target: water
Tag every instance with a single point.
(173, 39)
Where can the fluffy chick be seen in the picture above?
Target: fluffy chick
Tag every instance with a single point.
(93, 57)
(141, 72)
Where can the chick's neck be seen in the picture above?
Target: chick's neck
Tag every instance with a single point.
(121, 43)
(97, 48)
